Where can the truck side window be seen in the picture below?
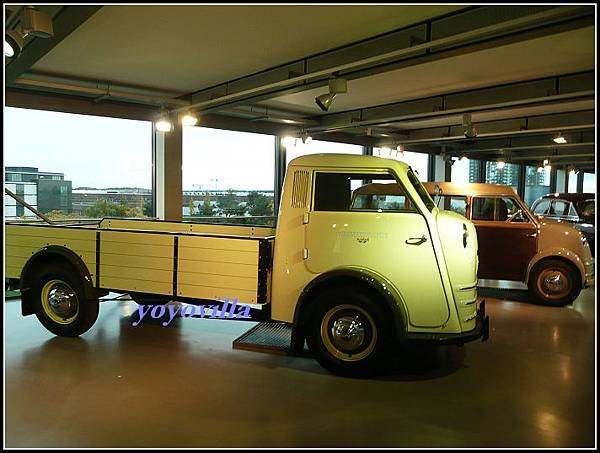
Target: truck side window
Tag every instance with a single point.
(356, 192)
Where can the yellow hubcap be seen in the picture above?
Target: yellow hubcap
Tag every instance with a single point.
(59, 301)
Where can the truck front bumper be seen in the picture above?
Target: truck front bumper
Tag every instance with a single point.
(481, 330)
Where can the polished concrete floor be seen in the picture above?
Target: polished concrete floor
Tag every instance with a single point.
(531, 385)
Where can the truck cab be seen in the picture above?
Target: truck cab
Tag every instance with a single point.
(353, 278)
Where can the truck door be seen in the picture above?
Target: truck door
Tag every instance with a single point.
(507, 238)
(384, 233)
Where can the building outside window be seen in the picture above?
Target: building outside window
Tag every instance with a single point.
(419, 162)
(228, 176)
(572, 182)
(507, 176)
(295, 148)
(71, 166)
(465, 171)
(589, 182)
(537, 183)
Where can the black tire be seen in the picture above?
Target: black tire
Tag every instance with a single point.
(554, 282)
(150, 299)
(360, 353)
(60, 303)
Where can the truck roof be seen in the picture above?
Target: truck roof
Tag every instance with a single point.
(345, 160)
(470, 189)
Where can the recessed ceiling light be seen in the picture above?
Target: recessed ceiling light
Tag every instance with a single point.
(189, 119)
(559, 139)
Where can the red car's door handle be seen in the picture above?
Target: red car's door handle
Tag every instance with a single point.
(531, 235)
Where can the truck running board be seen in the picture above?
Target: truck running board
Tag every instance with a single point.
(270, 337)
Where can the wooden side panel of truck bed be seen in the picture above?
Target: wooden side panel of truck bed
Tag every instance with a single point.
(22, 241)
(137, 261)
(211, 267)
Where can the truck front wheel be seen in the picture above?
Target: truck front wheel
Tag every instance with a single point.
(348, 333)
(60, 302)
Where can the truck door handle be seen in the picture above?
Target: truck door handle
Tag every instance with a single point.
(531, 235)
(416, 241)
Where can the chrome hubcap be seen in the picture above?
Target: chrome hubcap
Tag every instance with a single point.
(554, 283)
(348, 332)
(59, 301)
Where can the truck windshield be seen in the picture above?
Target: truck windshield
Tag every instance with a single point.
(425, 198)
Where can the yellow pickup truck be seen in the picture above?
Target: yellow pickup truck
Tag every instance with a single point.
(352, 281)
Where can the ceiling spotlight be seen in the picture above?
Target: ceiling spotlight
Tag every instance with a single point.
(336, 86)
(306, 139)
(163, 124)
(500, 164)
(324, 101)
(31, 22)
(559, 139)
(468, 128)
(189, 119)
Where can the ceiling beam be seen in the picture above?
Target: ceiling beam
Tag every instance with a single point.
(548, 90)
(425, 39)
(68, 19)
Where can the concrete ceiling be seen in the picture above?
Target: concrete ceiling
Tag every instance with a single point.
(242, 67)
(187, 48)
(561, 53)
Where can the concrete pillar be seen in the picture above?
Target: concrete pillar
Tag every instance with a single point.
(168, 162)
(561, 180)
(440, 169)
(580, 176)
(280, 169)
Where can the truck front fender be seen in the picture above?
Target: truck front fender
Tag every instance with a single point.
(367, 278)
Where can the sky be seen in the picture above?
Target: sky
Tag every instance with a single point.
(90, 150)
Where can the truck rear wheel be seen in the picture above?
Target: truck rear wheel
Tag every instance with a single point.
(554, 282)
(348, 333)
(60, 302)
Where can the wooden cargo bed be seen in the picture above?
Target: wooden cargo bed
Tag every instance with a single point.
(185, 260)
